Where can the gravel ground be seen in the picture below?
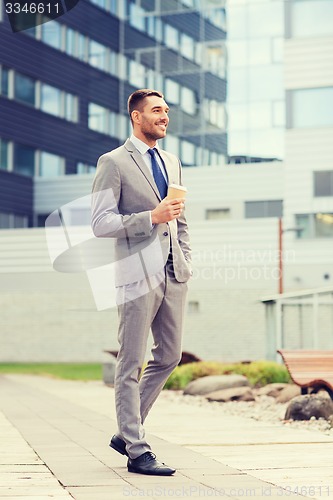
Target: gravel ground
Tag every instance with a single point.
(263, 409)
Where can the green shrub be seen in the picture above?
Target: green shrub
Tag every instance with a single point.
(258, 373)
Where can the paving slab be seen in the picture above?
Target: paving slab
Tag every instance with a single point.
(62, 429)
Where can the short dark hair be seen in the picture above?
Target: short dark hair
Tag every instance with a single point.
(135, 100)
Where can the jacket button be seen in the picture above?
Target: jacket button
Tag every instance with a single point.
(165, 233)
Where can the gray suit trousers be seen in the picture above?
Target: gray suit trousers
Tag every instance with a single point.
(162, 309)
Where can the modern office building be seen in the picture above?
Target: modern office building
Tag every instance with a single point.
(256, 102)
(64, 87)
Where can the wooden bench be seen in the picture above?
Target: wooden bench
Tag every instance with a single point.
(310, 369)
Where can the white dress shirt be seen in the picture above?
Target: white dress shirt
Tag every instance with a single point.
(142, 147)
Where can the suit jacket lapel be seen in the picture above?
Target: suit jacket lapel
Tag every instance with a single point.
(137, 158)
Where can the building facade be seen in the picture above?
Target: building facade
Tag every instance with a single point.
(308, 198)
(256, 102)
(64, 87)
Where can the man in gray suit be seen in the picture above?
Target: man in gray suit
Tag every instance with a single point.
(153, 265)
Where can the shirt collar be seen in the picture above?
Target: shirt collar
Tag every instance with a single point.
(141, 146)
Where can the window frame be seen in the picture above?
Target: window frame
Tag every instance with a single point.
(329, 183)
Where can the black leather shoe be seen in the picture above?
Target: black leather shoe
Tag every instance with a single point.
(147, 464)
(119, 445)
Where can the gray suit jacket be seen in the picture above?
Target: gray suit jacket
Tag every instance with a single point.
(124, 193)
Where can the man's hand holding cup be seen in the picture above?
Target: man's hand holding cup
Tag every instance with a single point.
(172, 206)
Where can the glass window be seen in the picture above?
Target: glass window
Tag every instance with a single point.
(266, 143)
(70, 42)
(113, 62)
(304, 223)
(318, 225)
(171, 37)
(217, 213)
(5, 220)
(83, 168)
(269, 208)
(323, 224)
(265, 19)
(238, 24)
(215, 59)
(99, 3)
(122, 127)
(51, 34)
(4, 90)
(137, 74)
(159, 29)
(4, 154)
(216, 112)
(20, 221)
(311, 18)
(187, 46)
(238, 53)
(187, 153)
(113, 6)
(137, 17)
(71, 108)
(98, 55)
(122, 66)
(260, 115)
(265, 82)
(97, 119)
(113, 123)
(312, 107)
(216, 17)
(238, 116)
(278, 49)
(323, 183)
(24, 89)
(188, 102)
(121, 9)
(172, 91)
(82, 42)
(172, 144)
(50, 100)
(150, 76)
(259, 51)
(24, 160)
(151, 26)
(50, 165)
(238, 85)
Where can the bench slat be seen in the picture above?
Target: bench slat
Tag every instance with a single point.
(310, 368)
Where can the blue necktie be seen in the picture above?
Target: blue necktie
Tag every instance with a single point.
(157, 174)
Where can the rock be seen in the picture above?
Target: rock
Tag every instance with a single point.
(288, 393)
(232, 394)
(211, 383)
(272, 390)
(188, 357)
(308, 406)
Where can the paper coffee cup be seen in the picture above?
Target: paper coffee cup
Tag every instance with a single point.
(176, 191)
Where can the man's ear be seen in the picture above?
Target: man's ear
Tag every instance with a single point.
(135, 116)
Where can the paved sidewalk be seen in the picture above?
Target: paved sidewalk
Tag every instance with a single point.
(54, 444)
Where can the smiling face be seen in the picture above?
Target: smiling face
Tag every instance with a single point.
(150, 122)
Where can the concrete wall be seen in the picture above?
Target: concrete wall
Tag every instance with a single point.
(51, 316)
